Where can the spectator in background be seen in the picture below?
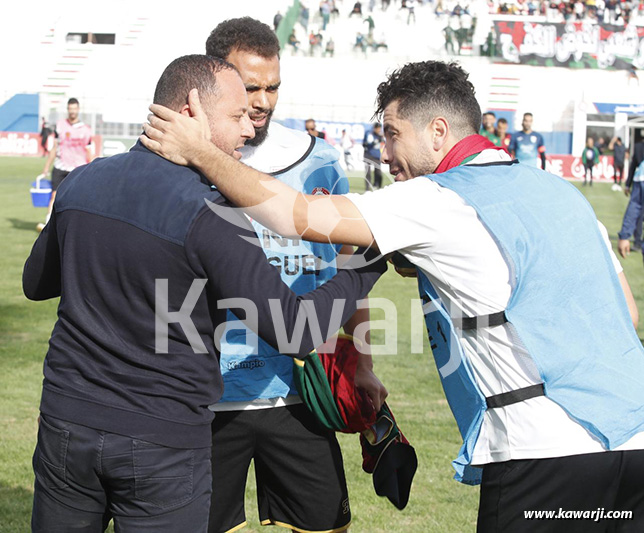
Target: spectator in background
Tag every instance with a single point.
(45, 132)
(315, 42)
(619, 157)
(346, 142)
(372, 145)
(335, 12)
(502, 134)
(357, 9)
(411, 11)
(634, 188)
(311, 129)
(72, 148)
(304, 17)
(601, 145)
(632, 76)
(370, 25)
(488, 129)
(325, 13)
(360, 43)
(589, 158)
(292, 40)
(449, 35)
(330, 48)
(527, 145)
(276, 20)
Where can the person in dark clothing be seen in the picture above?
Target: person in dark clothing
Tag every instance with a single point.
(311, 129)
(589, 158)
(619, 156)
(146, 269)
(371, 144)
(634, 209)
(277, 19)
(45, 132)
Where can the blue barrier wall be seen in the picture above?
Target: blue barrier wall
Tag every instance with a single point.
(20, 113)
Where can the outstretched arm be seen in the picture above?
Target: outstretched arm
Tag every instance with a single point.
(186, 141)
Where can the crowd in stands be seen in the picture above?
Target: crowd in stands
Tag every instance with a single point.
(323, 24)
(617, 12)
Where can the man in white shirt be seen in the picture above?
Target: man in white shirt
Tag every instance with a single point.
(531, 326)
(260, 413)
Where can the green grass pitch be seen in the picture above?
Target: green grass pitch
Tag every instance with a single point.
(438, 504)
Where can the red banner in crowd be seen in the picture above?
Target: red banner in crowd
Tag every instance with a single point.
(28, 144)
(571, 167)
(572, 45)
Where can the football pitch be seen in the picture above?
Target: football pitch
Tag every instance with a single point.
(437, 503)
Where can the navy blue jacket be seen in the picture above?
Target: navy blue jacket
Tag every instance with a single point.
(119, 225)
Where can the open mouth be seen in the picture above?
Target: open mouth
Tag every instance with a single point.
(259, 120)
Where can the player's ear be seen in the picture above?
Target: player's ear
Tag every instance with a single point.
(437, 130)
(185, 110)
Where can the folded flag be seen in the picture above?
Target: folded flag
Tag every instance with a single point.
(326, 383)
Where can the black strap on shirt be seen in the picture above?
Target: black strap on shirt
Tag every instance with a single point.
(473, 322)
(515, 396)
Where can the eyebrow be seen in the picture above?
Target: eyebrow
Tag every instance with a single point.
(273, 87)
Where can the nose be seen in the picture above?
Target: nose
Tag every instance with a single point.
(260, 100)
(384, 156)
(248, 131)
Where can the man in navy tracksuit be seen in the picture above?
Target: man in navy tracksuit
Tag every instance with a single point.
(634, 209)
(145, 271)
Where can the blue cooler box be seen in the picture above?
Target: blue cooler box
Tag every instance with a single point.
(40, 191)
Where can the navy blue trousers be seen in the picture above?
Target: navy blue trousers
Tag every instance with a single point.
(85, 477)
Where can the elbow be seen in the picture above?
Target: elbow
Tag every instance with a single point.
(31, 293)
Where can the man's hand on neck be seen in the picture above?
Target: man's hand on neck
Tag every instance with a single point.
(182, 139)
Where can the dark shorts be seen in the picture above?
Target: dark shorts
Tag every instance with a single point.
(595, 482)
(85, 477)
(57, 177)
(298, 470)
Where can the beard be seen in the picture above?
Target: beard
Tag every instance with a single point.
(260, 133)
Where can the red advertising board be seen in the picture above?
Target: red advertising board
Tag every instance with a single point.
(28, 144)
(571, 167)
(565, 166)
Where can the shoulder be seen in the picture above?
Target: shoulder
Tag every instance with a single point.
(283, 148)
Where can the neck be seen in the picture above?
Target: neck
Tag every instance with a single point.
(458, 150)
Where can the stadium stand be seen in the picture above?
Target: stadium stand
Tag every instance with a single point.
(109, 65)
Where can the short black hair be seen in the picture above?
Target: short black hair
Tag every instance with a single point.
(428, 89)
(501, 121)
(245, 34)
(489, 113)
(186, 73)
(72, 101)
(528, 115)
